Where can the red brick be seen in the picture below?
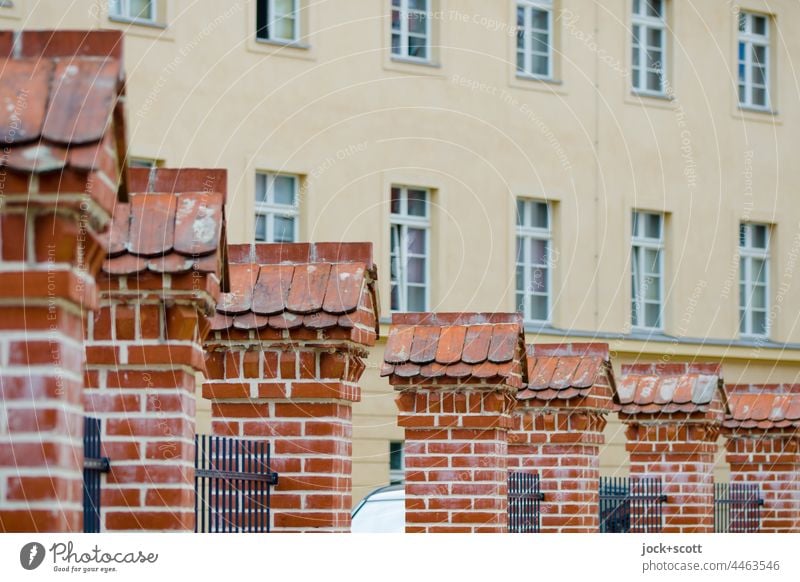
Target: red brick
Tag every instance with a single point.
(150, 321)
(125, 322)
(144, 520)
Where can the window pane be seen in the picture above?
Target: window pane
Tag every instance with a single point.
(396, 20)
(653, 226)
(653, 81)
(759, 322)
(759, 25)
(652, 316)
(395, 205)
(651, 262)
(284, 190)
(654, 8)
(652, 291)
(417, 203)
(283, 7)
(261, 227)
(758, 270)
(416, 241)
(417, 47)
(538, 252)
(416, 299)
(759, 54)
(418, 4)
(742, 21)
(654, 37)
(742, 321)
(115, 7)
(539, 307)
(520, 256)
(261, 187)
(636, 76)
(141, 9)
(284, 229)
(759, 96)
(539, 20)
(742, 94)
(395, 297)
(539, 42)
(283, 27)
(396, 50)
(416, 271)
(759, 298)
(520, 302)
(520, 212)
(759, 236)
(540, 215)
(539, 64)
(520, 278)
(416, 23)
(539, 280)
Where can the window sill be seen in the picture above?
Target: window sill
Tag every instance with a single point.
(537, 79)
(757, 114)
(415, 61)
(646, 99)
(295, 44)
(413, 66)
(648, 95)
(138, 22)
(279, 48)
(759, 110)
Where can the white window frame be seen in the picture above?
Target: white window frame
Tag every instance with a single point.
(271, 20)
(404, 33)
(125, 12)
(747, 252)
(750, 39)
(402, 221)
(527, 50)
(645, 24)
(638, 300)
(270, 209)
(527, 232)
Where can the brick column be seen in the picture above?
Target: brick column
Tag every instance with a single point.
(456, 375)
(674, 413)
(54, 202)
(284, 359)
(558, 431)
(144, 345)
(763, 447)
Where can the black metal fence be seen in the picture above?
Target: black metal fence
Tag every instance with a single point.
(737, 507)
(93, 465)
(631, 505)
(232, 485)
(524, 502)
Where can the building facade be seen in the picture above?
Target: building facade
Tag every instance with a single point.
(616, 171)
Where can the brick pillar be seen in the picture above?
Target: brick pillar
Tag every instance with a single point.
(763, 447)
(54, 203)
(284, 359)
(674, 413)
(144, 345)
(456, 375)
(558, 431)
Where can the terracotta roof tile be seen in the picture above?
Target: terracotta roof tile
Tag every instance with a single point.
(670, 388)
(566, 371)
(455, 345)
(70, 83)
(763, 406)
(167, 232)
(293, 286)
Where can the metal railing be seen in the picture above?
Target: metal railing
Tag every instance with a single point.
(631, 505)
(524, 502)
(94, 464)
(232, 485)
(737, 507)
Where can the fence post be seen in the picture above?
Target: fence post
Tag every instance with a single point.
(284, 359)
(673, 414)
(457, 375)
(144, 344)
(558, 430)
(58, 184)
(763, 448)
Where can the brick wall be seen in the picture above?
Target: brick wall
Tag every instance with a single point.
(456, 375)
(284, 360)
(558, 431)
(144, 345)
(53, 207)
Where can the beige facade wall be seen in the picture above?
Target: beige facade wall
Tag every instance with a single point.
(351, 121)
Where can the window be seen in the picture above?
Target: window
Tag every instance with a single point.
(410, 241)
(753, 60)
(276, 207)
(647, 270)
(396, 466)
(535, 38)
(753, 279)
(534, 254)
(411, 29)
(144, 10)
(277, 20)
(648, 67)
